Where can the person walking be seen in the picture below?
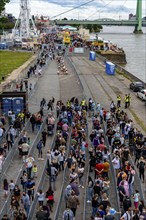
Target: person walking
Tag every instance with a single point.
(73, 203)
(29, 164)
(33, 122)
(68, 214)
(5, 187)
(136, 199)
(26, 202)
(35, 171)
(41, 214)
(50, 198)
(141, 166)
(44, 137)
(40, 152)
(41, 197)
(89, 189)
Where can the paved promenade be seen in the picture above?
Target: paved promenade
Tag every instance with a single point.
(104, 88)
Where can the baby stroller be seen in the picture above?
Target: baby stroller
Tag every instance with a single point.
(50, 129)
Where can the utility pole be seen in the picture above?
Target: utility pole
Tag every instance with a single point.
(24, 26)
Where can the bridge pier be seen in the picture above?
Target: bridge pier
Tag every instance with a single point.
(138, 27)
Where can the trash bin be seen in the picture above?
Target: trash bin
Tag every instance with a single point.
(110, 68)
(92, 56)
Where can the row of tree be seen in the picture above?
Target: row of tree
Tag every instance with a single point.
(2, 5)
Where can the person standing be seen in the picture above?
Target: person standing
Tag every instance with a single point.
(118, 101)
(33, 122)
(126, 101)
(9, 139)
(35, 171)
(50, 198)
(53, 176)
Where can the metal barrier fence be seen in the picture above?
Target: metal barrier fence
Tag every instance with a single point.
(110, 161)
(86, 184)
(56, 216)
(41, 182)
(12, 152)
(7, 203)
(117, 208)
(139, 187)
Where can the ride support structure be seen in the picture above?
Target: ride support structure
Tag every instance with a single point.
(138, 27)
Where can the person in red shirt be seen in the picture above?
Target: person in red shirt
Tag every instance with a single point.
(99, 168)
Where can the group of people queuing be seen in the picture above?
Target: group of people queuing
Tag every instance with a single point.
(11, 127)
(76, 160)
(128, 147)
(36, 70)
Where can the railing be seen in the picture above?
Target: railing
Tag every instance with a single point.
(86, 184)
(110, 161)
(7, 203)
(41, 183)
(117, 208)
(61, 198)
(12, 152)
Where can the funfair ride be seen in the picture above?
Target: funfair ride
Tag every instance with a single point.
(24, 26)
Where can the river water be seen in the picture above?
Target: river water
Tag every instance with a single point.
(134, 46)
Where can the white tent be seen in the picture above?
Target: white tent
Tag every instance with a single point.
(69, 28)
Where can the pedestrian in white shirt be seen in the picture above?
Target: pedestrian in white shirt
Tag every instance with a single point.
(41, 197)
(11, 186)
(116, 163)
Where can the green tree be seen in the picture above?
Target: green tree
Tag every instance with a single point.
(2, 4)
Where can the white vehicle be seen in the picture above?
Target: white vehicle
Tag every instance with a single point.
(142, 94)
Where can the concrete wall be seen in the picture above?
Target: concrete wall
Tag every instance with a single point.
(122, 70)
(17, 75)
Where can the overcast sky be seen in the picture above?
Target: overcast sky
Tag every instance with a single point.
(115, 9)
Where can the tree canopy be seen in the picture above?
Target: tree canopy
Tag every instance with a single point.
(2, 4)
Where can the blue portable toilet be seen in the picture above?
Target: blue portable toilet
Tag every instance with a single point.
(18, 105)
(110, 68)
(7, 104)
(92, 56)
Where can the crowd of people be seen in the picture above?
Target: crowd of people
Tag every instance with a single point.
(120, 141)
(125, 144)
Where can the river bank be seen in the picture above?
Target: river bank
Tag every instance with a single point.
(122, 71)
(134, 46)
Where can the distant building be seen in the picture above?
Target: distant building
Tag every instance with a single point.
(84, 33)
(132, 17)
